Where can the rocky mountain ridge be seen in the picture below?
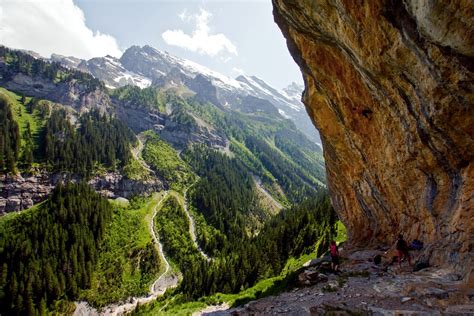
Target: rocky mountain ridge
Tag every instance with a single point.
(146, 66)
(180, 119)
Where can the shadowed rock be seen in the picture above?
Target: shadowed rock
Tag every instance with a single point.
(389, 86)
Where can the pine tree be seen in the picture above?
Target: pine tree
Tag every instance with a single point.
(2, 152)
(28, 147)
(10, 160)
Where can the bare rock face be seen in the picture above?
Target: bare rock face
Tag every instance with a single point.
(19, 192)
(389, 85)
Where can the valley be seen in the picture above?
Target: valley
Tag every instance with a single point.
(166, 179)
(188, 184)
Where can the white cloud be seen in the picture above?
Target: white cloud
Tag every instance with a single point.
(184, 16)
(200, 41)
(53, 26)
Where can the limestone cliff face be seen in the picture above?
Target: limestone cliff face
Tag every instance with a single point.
(389, 85)
(19, 192)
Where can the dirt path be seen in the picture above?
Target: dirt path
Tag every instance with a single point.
(137, 154)
(192, 228)
(211, 309)
(165, 281)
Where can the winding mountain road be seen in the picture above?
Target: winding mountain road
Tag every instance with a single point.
(192, 227)
(165, 281)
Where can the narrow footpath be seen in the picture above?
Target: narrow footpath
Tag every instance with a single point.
(192, 228)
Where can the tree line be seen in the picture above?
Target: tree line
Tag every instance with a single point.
(98, 139)
(10, 137)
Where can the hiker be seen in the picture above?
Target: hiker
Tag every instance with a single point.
(402, 250)
(334, 255)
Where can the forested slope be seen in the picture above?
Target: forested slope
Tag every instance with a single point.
(49, 252)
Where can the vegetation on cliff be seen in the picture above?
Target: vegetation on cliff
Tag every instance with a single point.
(9, 137)
(165, 161)
(38, 132)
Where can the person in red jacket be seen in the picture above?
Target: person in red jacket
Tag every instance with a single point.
(334, 255)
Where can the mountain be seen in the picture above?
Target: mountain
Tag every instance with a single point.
(108, 69)
(294, 90)
(68, 62)
(287, 101)
(212, 167)
(146, 66)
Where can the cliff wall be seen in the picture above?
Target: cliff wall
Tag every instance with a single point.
(19, 192)
(389, 85)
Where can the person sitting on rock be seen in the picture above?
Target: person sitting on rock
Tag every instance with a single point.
(334, 255)
(402, 250)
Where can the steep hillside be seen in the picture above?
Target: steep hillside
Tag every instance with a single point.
(32, 76)
(389, 86)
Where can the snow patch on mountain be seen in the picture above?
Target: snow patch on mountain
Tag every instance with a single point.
(146, 66)
(282, 113)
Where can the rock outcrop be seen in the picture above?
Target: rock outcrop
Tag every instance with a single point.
(363, 288)
(21, 192)
(72, 93)
(389, 85)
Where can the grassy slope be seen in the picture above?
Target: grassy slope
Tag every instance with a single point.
(172, 226)
(292, 162)
(128, 243)
(22, 116)
(20, 113)
(166, 162)
(134, 170)
(175, 305)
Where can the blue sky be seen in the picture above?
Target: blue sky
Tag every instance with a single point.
(228, 36)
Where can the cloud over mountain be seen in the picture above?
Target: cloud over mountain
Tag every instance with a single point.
(201, 40)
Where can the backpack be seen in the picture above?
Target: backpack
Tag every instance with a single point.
(401, 245)
(416, 245)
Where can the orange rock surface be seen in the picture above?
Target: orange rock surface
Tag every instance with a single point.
(389, 85)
